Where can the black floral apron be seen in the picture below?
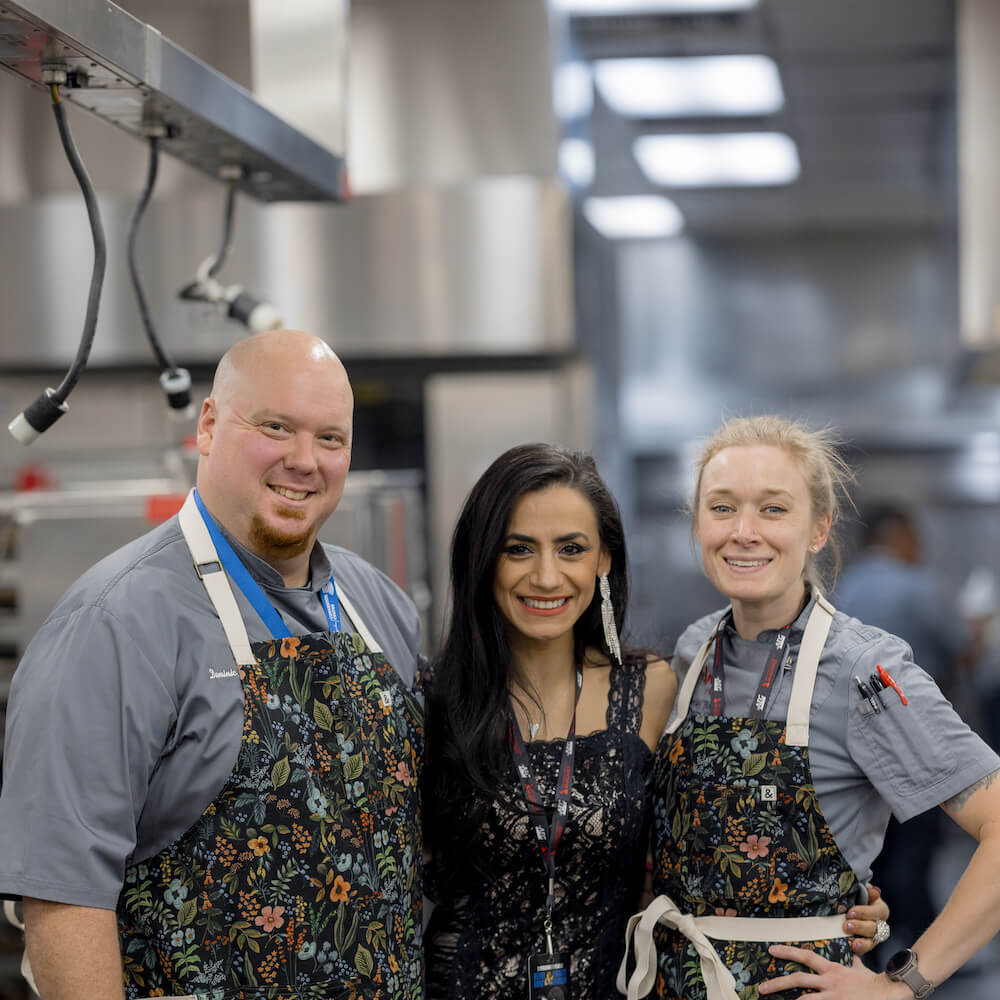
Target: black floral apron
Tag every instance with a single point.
(743, 857)
(302, 878)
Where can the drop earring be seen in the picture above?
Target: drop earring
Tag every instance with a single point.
(608, 619)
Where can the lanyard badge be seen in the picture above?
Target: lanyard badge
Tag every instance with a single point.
(548, 973)
(548, 977)
(765, 687)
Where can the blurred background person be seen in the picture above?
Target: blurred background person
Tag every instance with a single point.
(889, 586)
(979, 608)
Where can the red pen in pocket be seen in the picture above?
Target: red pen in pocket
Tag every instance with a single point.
(889, 682)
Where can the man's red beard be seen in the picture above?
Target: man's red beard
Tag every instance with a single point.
(271, 543)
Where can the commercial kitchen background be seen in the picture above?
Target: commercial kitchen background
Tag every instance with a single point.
(476, 289)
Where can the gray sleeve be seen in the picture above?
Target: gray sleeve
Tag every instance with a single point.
(85, 729)
(385, 608)
(917, 755)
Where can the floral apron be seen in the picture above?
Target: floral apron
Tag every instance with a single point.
(743, 857)
(302, 879)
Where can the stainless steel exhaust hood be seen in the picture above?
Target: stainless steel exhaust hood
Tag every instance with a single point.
(457, 244)
(128, 74)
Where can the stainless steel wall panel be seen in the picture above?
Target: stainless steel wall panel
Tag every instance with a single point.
(299, 58)
(478, 269)
(443, 91)
(979, 182)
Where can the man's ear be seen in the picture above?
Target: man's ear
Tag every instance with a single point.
(206, 426)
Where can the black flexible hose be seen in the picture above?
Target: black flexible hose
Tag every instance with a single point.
(133, 232)
(100, 253)
(227, 230)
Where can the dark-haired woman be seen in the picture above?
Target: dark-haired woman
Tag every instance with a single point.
(540, 730)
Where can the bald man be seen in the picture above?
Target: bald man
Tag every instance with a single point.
(212, 744)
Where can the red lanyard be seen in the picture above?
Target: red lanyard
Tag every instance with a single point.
(717, 678)
(548, 833)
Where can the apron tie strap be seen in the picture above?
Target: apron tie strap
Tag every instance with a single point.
(719, 980)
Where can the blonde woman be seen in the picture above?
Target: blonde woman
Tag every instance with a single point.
(797, 730)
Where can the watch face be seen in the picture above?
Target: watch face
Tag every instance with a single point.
(898, 962)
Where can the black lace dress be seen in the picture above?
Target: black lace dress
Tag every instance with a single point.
(482, 930)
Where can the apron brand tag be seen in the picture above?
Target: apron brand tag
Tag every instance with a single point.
(386, 698)
(769, 793)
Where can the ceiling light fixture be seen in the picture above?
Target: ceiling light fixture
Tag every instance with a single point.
(576, 162)
(573, 90)
(634, 216)
(718, 160)
(690, 85)
(585, 8)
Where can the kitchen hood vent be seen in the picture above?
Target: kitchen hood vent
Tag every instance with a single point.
(128, 74)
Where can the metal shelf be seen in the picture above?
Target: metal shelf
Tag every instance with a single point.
(128, 74)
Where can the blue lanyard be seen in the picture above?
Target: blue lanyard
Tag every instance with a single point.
(252, 591)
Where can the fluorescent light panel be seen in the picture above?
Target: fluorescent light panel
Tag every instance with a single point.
(576, 162)
(584, 8)
(692, 85)
(718, 160)
(634, 216)
(573, 90)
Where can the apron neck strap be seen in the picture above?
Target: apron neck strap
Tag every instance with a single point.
(686, 692)
(804, 679)
(209, 569)
(359, 625)
(806, 665)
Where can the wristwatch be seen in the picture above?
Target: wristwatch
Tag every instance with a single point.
(902, 968)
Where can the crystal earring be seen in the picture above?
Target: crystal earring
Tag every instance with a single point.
(608, 619)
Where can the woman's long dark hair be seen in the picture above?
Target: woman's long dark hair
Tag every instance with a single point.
(468, 703)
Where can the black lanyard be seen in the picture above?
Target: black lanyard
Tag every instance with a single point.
(717, 678)
(548, 833)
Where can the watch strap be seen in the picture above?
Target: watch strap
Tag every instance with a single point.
(911, 975)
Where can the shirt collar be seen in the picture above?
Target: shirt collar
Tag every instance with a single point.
(798, 626)
(267, 576)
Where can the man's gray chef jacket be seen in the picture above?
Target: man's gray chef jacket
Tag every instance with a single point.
(126, 712)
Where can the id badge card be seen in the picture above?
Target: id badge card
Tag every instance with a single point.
(548, 976)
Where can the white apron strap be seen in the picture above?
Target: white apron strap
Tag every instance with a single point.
(800, 704)
(209, 569)
(10, 912)
(770, 929)
(690, 680)
(719, 981)
(211, 573)
(359, 625)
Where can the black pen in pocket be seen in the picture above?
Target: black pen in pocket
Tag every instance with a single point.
(868, 695)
